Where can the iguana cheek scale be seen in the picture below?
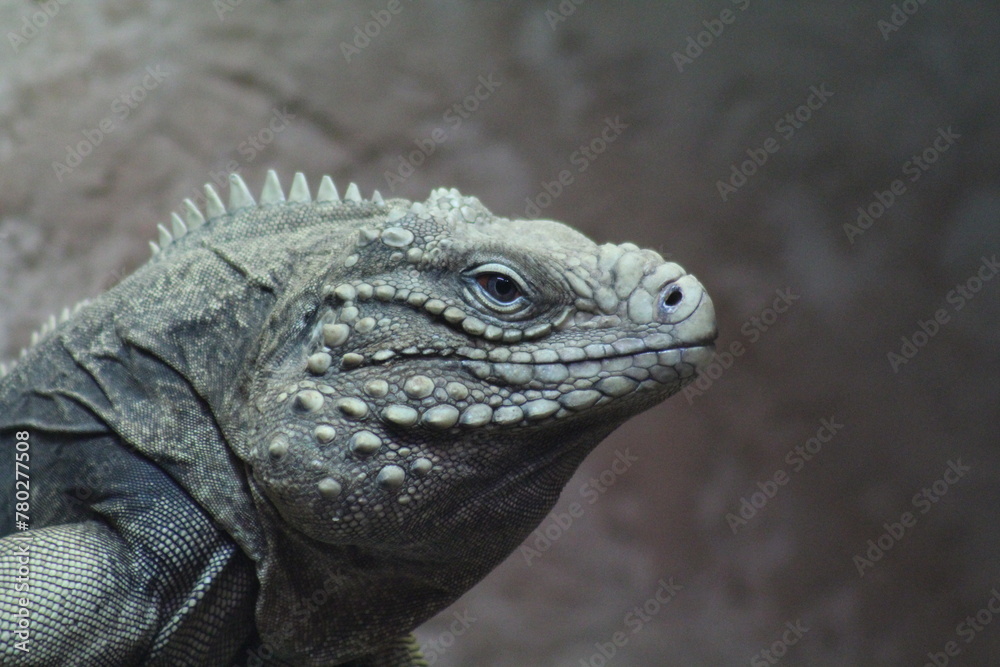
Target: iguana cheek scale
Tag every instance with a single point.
(378, 398)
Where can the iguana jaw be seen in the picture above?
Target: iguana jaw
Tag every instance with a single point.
(394, 425)
(551, 382)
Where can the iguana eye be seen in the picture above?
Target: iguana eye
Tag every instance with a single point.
(498, 288)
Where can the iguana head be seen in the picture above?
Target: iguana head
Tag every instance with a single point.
(453, 368)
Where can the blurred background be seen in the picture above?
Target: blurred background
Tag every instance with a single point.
(827, 494)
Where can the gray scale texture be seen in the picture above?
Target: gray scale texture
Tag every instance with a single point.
(63, 240)
(242, 469)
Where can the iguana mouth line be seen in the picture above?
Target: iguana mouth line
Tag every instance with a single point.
(374, 360)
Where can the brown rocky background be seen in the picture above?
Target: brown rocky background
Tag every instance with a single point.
(170, 94)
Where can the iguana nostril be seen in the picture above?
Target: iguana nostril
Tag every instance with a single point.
(673, 297)
(678, 299)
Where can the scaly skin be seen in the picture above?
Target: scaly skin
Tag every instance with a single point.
(306, 426)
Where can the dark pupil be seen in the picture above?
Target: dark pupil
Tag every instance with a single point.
(500, 287)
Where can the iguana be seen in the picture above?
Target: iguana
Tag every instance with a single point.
(306, 425)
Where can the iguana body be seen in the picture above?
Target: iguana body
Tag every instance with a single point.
(306, 426)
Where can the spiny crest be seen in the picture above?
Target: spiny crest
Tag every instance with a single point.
(240, 198)
(50, 325)
(447, 203)
(47, 327)
(193, 218)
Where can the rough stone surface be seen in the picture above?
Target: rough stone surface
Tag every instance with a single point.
(225, 78)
